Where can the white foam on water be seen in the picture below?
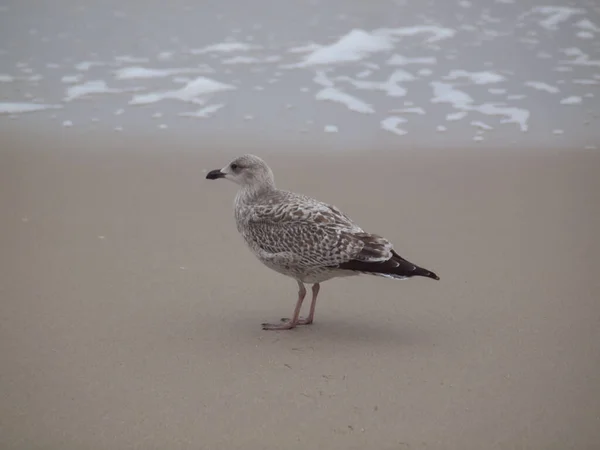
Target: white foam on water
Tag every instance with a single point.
(188, 93)
(415, 110)
(241, 60)
(131, 59)
(364, 73)
(572, 100)
(251, 60)
(441, 128)
(516, 97)
(541, 86)
(484, 77)
(136, 72)
(437, 33)
(481, 125)
(305, 48)
(371, 65)
(322, 79)
(425, 72)
(391, 124)
(453, 117)
(585, 82)
(71, 78)
(555, 15)
(354, 46)
(18, 107)
(586, 24)
(225, 47)
(446, 93)
(563, 69)
(163, 126)
(4, 78)
(573, 51)
(67, 123)
(400, 60)
(120, 111)
(478, 138)
(585, 35)
(557, 131)
(390, 86)
(352, 103)
(88, 88)
(330, 129)
(163, 56)
(497, 91)
(518, 116)
(205, 112)
(84, 66)
(581, 58)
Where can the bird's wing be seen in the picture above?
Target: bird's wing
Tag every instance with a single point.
(316, 234)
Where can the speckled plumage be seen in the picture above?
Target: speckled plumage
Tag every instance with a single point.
(304, 238)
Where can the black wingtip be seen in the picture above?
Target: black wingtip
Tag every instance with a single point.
(416, 270)
(426, 273)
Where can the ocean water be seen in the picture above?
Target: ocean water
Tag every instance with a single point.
(438, 73)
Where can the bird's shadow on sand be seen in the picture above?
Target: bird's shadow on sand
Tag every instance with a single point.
(355, 332)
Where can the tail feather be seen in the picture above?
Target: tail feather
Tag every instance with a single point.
(395, 267)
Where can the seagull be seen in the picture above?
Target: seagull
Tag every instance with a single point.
(303, 238)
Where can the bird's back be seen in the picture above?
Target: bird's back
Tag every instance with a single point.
(279, 206)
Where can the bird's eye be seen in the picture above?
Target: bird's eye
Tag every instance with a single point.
(234, 167)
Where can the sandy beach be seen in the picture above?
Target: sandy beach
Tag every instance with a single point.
(465, 132)
(131, 310)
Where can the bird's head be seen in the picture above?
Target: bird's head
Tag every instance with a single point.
(246, 170)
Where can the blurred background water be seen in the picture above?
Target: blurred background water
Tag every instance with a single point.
(437, 73)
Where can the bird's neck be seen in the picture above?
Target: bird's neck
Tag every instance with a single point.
(249, 193)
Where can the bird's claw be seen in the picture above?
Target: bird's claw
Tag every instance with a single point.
(279, 326)
(301, 321)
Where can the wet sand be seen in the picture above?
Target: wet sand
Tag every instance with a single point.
(131, 310)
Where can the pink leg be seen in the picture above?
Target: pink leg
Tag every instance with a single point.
(311, 314)
(291, 323)
(313, 304)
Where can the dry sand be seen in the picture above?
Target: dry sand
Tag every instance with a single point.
(130, 312)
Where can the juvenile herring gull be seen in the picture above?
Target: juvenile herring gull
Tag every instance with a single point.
(303, 238)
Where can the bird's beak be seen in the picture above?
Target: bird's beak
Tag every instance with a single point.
(215, 174)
